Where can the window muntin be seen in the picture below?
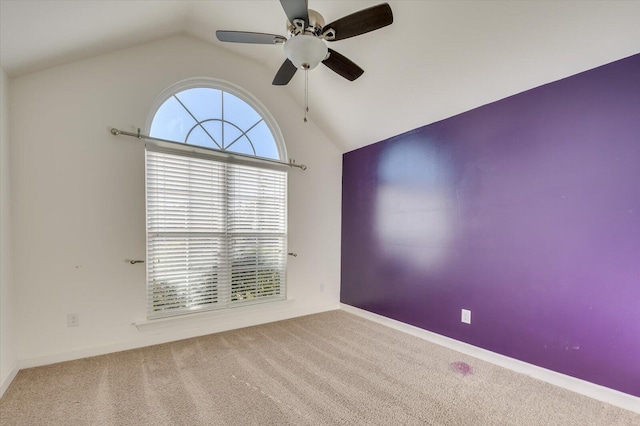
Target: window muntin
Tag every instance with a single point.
(216, 229)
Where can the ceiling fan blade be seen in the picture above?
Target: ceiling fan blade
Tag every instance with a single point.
(247, 37)
(285, 73)
(342, 65)
(296, 9)
(361, 22)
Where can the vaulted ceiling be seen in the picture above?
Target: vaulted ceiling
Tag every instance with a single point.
(438, 58)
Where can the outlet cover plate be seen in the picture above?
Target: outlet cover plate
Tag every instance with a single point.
(73, 319)
(466, 316)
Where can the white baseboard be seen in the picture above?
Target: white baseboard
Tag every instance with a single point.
(184, 328)
(601, 393)
(8, 378)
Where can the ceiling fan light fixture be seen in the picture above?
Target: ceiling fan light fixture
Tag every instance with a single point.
(305, 51)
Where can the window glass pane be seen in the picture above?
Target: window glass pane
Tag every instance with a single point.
(200, 138)
(214, 128)
(256, 267)
(242, 146)
(239, 112)
(257, 200)
(231, 133)
(203, 103)
(171, 121)
(185, 194)
(263, 141)
(184, 273)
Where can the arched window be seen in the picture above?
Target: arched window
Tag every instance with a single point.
(215, 117)
(216, 220)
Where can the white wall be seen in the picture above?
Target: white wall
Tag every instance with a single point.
(8, 347)
(79, 200)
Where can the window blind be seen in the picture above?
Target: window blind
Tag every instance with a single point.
(216, 233)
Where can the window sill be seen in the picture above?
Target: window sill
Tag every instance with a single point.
(243, 314)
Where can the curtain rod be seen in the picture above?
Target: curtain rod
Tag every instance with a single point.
(291, 163)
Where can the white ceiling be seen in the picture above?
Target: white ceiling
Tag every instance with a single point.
(438, 58)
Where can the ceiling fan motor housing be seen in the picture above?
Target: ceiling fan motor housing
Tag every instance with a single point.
(316, 23)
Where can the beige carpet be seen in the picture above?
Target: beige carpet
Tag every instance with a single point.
(332, 368)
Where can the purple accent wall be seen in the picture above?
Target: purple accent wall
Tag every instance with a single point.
(525, 211)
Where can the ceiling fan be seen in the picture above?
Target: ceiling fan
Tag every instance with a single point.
(305, 48)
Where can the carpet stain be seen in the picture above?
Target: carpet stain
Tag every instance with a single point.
(461, 367)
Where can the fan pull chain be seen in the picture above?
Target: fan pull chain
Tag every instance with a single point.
(306, 93)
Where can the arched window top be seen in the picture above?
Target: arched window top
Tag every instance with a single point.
(217, 115)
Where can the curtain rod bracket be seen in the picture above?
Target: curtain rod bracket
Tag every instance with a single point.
(292, 163)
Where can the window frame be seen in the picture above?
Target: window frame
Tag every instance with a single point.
(228, 157)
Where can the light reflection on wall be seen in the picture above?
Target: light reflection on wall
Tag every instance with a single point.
(414, 208)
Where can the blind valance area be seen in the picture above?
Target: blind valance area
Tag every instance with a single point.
(216, 234)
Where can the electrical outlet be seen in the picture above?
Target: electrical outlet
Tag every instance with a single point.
(322, 287)
(466, 316)
(73, 319)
